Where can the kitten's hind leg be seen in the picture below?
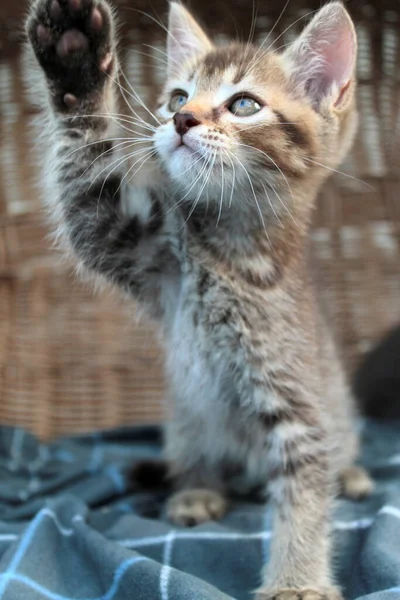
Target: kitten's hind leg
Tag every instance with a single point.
(355, 483)
(195, 506)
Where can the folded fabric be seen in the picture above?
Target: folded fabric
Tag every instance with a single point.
(71, 530)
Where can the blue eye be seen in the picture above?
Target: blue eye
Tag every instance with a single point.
(244, 106)
(178, 99)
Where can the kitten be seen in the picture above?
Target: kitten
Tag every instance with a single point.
(212, 241)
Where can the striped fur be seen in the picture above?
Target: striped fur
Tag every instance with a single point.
(216, 250)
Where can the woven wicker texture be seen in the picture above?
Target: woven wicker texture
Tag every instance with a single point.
(73, 360)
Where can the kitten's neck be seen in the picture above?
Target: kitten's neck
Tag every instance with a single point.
(256, 243)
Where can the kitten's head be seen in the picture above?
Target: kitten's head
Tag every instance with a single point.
(237, 117)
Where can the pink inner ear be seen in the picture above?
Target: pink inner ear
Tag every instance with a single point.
(324, 56)
(339, 56)
(342, 94)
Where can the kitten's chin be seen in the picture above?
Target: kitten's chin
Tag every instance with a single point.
(183, 162)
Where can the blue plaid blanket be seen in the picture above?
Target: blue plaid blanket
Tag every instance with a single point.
(70, 529)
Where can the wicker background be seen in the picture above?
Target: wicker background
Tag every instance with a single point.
(71, 360)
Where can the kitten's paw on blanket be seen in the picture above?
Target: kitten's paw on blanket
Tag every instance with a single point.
(356, 483)
(192, 507)
(299, 594)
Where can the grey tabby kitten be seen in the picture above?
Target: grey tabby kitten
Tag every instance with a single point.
(212, 241)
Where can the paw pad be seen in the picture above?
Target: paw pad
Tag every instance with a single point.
(72, 41)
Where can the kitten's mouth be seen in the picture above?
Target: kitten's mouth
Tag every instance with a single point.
(186, 149)
(186, 142)
(189, 146)
(183, 144)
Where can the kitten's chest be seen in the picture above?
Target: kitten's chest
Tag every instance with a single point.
(213, 338)
(207, 362)
(197, 357)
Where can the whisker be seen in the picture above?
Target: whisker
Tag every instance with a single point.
(128, 142)
(158, 58)
(252, 26)
(129, 105)
(119, 161)
(168, 58)
(136, 97)
(341, 173)
(270, 32)
(111, 150)
(125, 140)
(200, 174)
(108, 114)
(254, 194)
(120, 119)
(282, 34)
(279, 48)
(206, 180)
(250, 37)
(158, 22)
(271, 205)
(123, 90)
(264, 125)
(183, 172)
(311, 12)
(222, 191)
(284, 205)
(273, 162)
(147, 156)
(110, 173)
(134, 121)
(233, 180)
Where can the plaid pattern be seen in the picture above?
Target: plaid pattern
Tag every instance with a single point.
(69, 530)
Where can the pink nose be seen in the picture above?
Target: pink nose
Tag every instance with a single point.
(184, 121)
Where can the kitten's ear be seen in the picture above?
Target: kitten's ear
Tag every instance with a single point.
(323, 59)
(186, 39)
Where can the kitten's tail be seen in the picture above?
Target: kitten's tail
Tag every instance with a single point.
(377, 380)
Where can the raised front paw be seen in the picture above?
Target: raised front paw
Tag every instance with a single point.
(73, 42)
(192, 507)
(299, 594)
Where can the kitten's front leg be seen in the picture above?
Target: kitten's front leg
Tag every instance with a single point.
(120, 232)
(301, 490)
